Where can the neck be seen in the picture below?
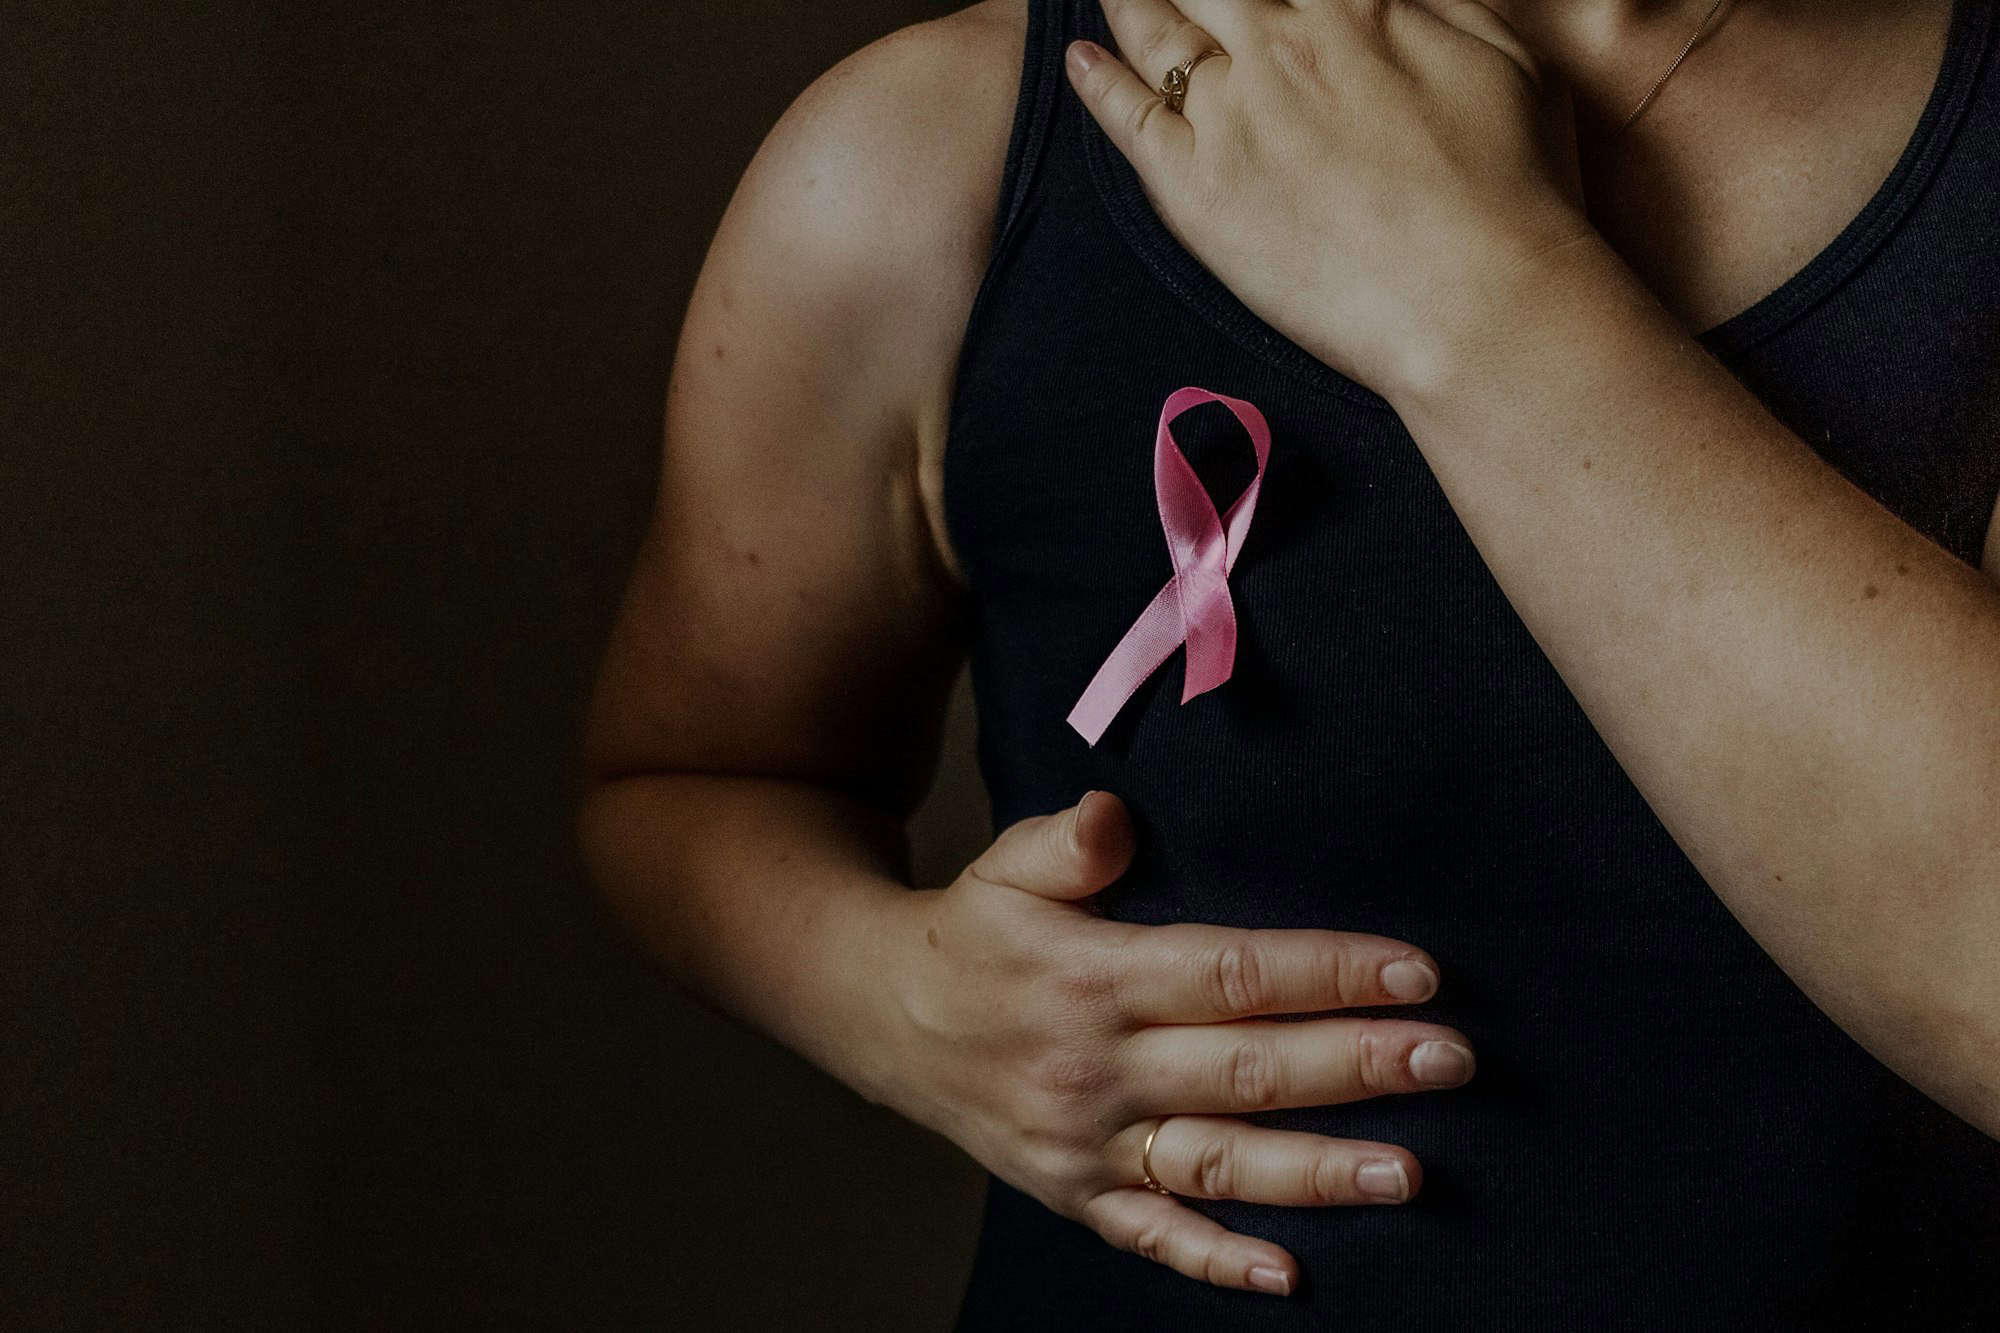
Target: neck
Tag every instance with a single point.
(1610, 19)
(1610, 51)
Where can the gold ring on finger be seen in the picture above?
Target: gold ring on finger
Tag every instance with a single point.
(1173, 88)
(1146, 1160)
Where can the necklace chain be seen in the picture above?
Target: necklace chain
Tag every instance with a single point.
(1645, 101)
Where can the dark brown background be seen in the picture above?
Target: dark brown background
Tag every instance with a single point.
(332, 353)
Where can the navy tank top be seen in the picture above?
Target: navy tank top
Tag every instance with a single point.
(1663, 1132)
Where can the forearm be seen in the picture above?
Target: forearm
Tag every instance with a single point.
(1805, 689)
(768, 899)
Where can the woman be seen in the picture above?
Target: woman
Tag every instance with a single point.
(1613, 701)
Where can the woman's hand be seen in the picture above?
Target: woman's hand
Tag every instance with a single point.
(1048, 1042)
(1372, 177)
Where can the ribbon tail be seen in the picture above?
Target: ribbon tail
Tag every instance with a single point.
(1151, 640)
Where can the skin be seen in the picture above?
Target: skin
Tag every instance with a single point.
(1805, 689)
(768, 711)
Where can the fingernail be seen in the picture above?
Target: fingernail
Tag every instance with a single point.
(1384, 1180)
(1408, 980)
(1272, 1280)
(1085, 54)
(1441, 1062)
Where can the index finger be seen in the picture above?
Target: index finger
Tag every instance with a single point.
(1194, 973)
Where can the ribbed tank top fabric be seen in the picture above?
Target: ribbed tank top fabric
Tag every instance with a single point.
(1663, 1131)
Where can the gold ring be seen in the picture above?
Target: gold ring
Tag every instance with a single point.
(1173, 88)
(1146, 1161)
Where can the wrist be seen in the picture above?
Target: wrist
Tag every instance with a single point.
(877, 965)
(1509, 310)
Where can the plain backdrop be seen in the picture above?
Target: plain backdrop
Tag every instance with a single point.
(332, 355)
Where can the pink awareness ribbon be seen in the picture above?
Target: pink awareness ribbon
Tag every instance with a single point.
(1194, 607)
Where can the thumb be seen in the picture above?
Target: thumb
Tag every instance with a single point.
(1066, 855)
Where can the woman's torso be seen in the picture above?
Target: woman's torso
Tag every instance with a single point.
(1663, 1131)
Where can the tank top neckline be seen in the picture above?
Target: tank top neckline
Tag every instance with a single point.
(1118, 187)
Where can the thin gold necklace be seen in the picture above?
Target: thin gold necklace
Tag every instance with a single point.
(1646, 101)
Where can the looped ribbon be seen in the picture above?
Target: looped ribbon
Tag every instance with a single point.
(1194, 607)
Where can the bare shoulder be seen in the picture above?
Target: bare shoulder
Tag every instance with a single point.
(872, 203)
(906, 135)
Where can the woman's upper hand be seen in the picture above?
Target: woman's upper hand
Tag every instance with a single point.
(1048, 1042)
(1370, 176)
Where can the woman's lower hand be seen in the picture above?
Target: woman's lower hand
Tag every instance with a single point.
(1371, 177)
(1049, 1042)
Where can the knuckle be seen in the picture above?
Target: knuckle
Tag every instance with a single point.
(1371, 1062)
(1058, 1147)
(1086, 975)
(1071, 1168)
(1250, 1075)
(1067, 1074)
(1327, 1177)
(1215, 1169)
(1347, 977)
(1161, 37)
(1237, 979)
(1140, 114)
(1154, 1240)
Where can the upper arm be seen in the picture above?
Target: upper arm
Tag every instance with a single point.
(792, 611)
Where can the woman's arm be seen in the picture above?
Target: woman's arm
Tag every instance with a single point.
(1805, 689)
(769, 707)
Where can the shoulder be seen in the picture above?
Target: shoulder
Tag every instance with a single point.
(921, 84)
(863, 226)
(930, 89)
(884, 174)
